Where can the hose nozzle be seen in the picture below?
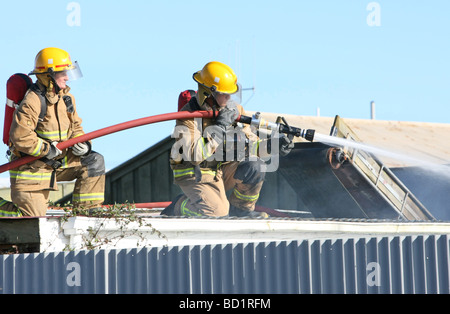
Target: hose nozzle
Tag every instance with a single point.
(308, 134)
(285, 128)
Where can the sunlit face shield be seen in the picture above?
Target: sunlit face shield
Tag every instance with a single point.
(73, 73)
(225, 99)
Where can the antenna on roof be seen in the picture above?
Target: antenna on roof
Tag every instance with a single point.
(372, 110)
(253, 94)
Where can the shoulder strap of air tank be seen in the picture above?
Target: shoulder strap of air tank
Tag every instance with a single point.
(41, 94)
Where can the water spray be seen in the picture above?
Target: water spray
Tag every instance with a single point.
(377, 151)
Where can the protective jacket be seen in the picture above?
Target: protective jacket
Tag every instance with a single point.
(30, 136)
(198, 154)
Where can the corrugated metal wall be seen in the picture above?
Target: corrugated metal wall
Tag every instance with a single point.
(407, 264)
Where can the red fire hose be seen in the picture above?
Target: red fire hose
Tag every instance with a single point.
(113, 129)
(125, 126)
(284, 128)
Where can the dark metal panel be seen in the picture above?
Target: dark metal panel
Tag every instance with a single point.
(145, 178)
(206, 266)
(303, 269)
(238, 268)
(248, 264)
(349, 266)
(395, 265)
(407, 266)
(361, 266)
(443, 265)
(195, 270)
(371, 257)
(431, 265)
(316, 274)
(29, 235)
(418, 256)
(126, 189)
(160, 183)
(126, 276)
(111, 271)
(287, 261)
(260, 270)
(142, 184)
(384, 258)
(332, 267)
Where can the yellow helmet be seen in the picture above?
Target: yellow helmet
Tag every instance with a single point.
(215, 77)
(52, 60)
(218, 77)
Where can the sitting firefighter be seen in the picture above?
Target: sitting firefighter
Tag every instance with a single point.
(45, 117)
(213, 156)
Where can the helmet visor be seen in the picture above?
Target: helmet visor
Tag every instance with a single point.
(237, 97)
(74, 72)
(228, 99)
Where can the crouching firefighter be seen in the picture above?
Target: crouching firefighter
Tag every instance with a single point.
(214, 156)
(46, 116)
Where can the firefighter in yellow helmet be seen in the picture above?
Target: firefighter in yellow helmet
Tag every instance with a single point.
(46, 116)
(213, 156)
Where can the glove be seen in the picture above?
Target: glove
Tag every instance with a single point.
(81, 149)
(53, 152)
(227, 116)
(286, 145)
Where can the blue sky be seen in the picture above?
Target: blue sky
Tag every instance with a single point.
(137, 55)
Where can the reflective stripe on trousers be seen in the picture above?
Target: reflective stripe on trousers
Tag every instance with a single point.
(186, 211)
(177, 173)
(9, 211)
(250, 198)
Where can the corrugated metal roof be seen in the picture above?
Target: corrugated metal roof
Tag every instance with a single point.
(400, 264)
